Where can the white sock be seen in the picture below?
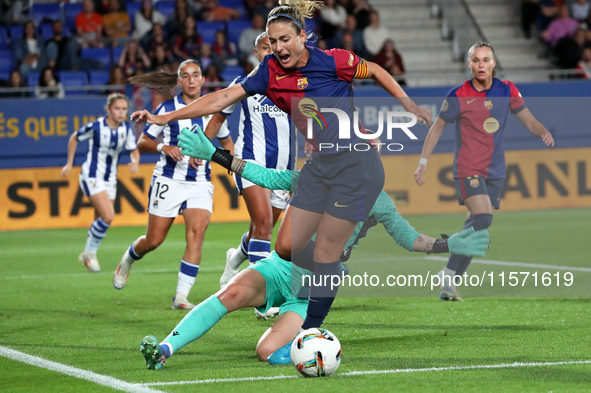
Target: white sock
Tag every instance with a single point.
(187, 274)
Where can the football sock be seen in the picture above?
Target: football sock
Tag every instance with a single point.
(322, 293)
(133, 256)
(258, 249)
(241, 253)
(196, 323)
(96, 234)
(187, 274)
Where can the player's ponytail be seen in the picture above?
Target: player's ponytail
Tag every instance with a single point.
(294, 12)
(161, 81)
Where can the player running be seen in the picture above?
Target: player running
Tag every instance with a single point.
(176, 187)
(274, 282)
(323, 204)
(479, 107)
(106, 138)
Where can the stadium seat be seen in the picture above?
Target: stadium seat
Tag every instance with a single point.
(46, 11)
(231, 3)
(166, 8)
(231, 72)
(116, 54)
(133, 7)
(72, 79)
(16, 32)
(235, 28)
(207, 30)
(101, 54)
(46, 31)
(99, 78)
(3, 37)
(4, 76)
(6, 61)
(33, 79)
(71, 10)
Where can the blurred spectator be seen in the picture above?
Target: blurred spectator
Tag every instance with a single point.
(361, 10)
(263, 8)
(207, 58)
(145, 19)
(28, 50)
(133, 58)
(549, 9)
(212, 75)
(161, 59)
(579, 10)
(321, 44)
(116, 78)
(569, 50)
(334, 17)
(187, 42)
(375, 35)
(529, 15)
(226, 51)
(249, 35)
(391, 60)
(351, 28)
(211, 11)
(116, 24)
(155, 38)
(15, 81)
(14, 12)
(89, 26)
(347, 42)
(49, 85)
(61, 50)
(563, 26)
(176, 23)
(584, 65)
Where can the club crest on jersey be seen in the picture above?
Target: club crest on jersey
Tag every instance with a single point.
(302, 83)
(474, 182)
(488, 104)
(155, 204)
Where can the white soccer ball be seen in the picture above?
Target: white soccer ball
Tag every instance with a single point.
(316, 352)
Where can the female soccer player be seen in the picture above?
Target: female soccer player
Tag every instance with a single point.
(336, 188)
(176, 188)
(479, 107)
(264, 137)
(272, 281)
(98, 178)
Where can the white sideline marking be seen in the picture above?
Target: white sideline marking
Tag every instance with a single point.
(373, 372)
(75, 372)
(520, 264)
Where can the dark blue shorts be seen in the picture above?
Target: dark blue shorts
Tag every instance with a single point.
(344, 185)
(478, 185)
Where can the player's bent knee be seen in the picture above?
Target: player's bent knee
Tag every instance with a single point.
(481, 221)
(264, 349)
(232, 296)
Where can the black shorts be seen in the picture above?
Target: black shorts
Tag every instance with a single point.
(344, 185)
(478, 185)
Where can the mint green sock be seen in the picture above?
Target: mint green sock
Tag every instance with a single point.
(196, 323)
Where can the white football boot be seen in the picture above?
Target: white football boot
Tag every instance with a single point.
(90, 261)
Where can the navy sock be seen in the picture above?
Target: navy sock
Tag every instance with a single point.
(322, 293)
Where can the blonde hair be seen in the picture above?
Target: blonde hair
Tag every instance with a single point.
(114, 97)
(161, 81)
(295, 11)
(482, 44)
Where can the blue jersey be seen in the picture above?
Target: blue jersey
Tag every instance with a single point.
(324, 82)
(180, 170)
(264, 135)
(480, 118)
(104, 147)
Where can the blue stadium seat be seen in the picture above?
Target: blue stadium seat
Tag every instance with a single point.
(231, 72)
(101, 54)
(16, 32)
(73, 78)
(4, 76)
(166, 8)
(6, 61)
(33, 79)
(235, 28)
(116, 54)
(52, 11)
(46, 31)
(207, 30)
(235, 5)
(3, 37)
(71, 10)
(99, 78)
(133, 7)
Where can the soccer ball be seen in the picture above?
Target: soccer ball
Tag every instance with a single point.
(316, 352)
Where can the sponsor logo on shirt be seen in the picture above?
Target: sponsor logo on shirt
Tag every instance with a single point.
(491, 125)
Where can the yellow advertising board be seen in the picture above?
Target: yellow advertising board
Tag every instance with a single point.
(536, 179)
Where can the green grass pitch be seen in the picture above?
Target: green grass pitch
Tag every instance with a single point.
(393, 339)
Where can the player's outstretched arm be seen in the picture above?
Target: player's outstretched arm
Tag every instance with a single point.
(196, 144)
(535, 127)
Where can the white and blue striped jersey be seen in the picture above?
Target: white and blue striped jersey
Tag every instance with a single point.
(104, 147)
(180, 170)
(264, 135)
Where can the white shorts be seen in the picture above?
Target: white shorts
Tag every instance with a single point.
(279, 198)
(91, 186)
(169, 197)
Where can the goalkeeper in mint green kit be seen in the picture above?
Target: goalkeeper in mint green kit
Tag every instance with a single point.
(274, 282)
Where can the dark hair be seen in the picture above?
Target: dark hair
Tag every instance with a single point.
(161, 81)
(56, 77)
